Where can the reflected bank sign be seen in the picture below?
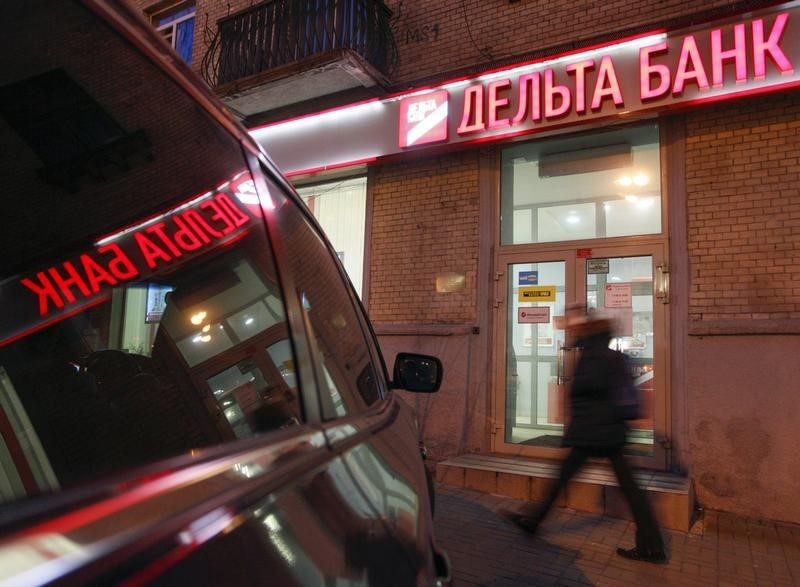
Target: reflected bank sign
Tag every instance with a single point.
(754, 53)
(132, 254)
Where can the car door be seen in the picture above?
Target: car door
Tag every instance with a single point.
(159, 406)
(372, 432)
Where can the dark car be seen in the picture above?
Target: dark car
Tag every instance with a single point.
(190, 390)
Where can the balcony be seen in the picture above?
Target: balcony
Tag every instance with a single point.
(283, 52)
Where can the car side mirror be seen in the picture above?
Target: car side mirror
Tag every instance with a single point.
(414, 372)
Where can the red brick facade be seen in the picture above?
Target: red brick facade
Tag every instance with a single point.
(424, 224)
(743, 210)
(435, 37)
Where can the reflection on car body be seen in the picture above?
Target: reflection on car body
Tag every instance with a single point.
(190, 391)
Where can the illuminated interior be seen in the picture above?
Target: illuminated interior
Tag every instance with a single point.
(582, 187)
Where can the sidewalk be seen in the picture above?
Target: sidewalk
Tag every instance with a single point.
(575, 548)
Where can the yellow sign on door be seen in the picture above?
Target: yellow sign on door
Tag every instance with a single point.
(537, 293)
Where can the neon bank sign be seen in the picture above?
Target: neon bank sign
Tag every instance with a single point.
(205, 222)
(646, 73)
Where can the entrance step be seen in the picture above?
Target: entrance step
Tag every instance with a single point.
(594, 489)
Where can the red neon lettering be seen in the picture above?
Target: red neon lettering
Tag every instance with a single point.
(219, 214)
(580, 82)
(200, 226)
(187, 240)
(95, 274)
(690, 66)
(607, 84)
(761, 47)
(533, 99)
(45, 290)
(120, 266)
(234, 213)
(496, 103)
(73, 279)
(647, 71)
(150, 250)
(158, 230)
(718, 56)
(473, 101)
(550, 93)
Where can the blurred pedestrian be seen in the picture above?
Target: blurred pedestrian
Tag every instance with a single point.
(597, 429)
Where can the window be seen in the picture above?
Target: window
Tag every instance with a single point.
(340, 208)
(111, 387)
(142, 317)
(177, 27)
(597, 185)
(346, 360)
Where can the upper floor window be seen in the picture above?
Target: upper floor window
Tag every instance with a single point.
(593, 185)
(177, 27)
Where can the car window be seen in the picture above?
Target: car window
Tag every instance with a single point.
(141, 316)
(334, 320)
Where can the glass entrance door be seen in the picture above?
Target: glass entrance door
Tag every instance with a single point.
(534, 406)
(624, 284)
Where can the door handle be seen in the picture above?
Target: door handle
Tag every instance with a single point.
(566, 363)
(662, 283)
(561, 364)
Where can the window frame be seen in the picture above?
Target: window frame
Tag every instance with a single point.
(172, 25)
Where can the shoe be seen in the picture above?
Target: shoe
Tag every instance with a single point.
(658, 557)
(528, 523)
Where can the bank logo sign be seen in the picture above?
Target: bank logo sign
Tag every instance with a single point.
(423, 119)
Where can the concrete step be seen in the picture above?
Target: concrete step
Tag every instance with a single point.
(594, 489)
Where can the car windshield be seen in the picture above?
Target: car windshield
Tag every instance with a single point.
(130, 329)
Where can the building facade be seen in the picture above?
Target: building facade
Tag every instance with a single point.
(516, 158)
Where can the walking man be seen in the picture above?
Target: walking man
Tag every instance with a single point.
(597, 429)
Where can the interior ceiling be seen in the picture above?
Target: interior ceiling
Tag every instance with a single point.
(530, 189)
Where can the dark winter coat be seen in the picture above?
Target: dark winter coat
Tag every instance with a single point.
(596, 421)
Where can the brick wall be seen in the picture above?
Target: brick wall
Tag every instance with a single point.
(743, 174)
(435, 37)
(425, 222)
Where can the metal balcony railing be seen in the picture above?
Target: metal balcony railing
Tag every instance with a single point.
(280, 32)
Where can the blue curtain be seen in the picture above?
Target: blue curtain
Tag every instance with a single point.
(183, 42)
(184, 32)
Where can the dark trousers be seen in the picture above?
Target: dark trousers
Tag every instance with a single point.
(648, 536)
